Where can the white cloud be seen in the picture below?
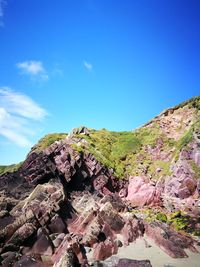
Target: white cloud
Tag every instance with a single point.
(88, 65)
(33, 68)
(18, 115)
(2, 6)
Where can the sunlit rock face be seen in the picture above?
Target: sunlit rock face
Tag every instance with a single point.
(76, 201)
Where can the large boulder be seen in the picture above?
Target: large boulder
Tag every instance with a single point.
(141, 192)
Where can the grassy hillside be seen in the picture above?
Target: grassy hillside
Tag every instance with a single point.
(9, 168)
(148, 150)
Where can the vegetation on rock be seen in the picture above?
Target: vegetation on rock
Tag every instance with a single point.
(47, 140)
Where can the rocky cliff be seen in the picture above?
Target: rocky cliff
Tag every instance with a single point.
(80, 191)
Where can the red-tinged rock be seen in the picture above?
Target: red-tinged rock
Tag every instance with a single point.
(133, 263)
(107, 214)
(169, 241)
(58, 240)
(108, 232)
(105, 249)
(43, 246)
(64, 246)
(141, 192)
(21, 234)
(131, 231)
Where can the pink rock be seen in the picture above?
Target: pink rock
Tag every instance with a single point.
(141, 193)
(64, 246)
(105, 249)
(132, 230)
(108, 232)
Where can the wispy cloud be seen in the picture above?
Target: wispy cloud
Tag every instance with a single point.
(88, 65)
(33, 68)
(18, 114)
(2, 6)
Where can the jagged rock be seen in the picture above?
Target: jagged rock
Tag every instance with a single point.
(81, 130)
(91, 234)
(38, 168)
(65, 189)
(114, 261)
(110, 216)
(181, 184)
(105, 249)
(115, 200)
(132, 230)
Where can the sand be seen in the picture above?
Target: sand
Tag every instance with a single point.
(157, 257)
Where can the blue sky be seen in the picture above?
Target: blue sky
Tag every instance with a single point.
(101, 63)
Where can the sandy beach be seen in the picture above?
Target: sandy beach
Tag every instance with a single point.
(158, 258)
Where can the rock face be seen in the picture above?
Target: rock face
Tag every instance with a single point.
(66, 199)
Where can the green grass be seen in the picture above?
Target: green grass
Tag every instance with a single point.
(9, 168)
(185, 139)
(194, 102)
(47, 140)
(120, 150)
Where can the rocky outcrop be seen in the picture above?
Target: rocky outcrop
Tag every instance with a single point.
(63, 202)
(182, 184)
